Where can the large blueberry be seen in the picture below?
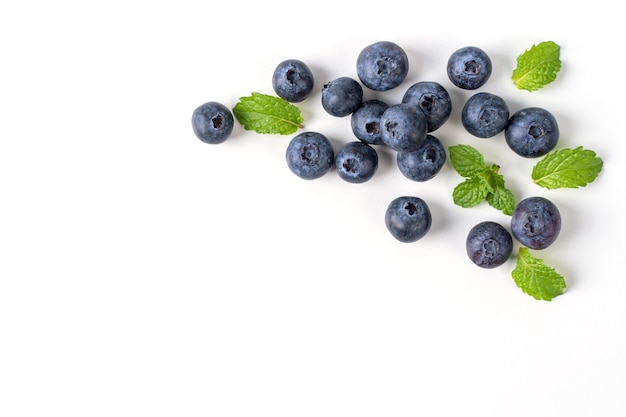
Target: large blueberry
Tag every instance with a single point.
(341, 96)
(382, 66)
(404, 127)
(469, 68)
(489, 244)
(212, 122)
(365, 121)
(293, 80)
(356, 162)
(536, 222)
(485, 115)
(309, 155)
(433, 100)
(532, 132)
(423, 163)
(408, 218)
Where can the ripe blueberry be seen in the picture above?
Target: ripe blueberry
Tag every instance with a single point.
(212, 122)
(433, 100)
(403, 127)
(423, 163)
(341, 96)
(293, 80)
(408, 218)
(489, 244)
(382, 66)
(309, 155)
(485, 115)
(536, 222)
(532, 132)
(469, 68)
(365, 121)
(356, 162)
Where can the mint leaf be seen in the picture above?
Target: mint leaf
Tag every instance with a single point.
(268, 114)
(470, 192)
(537, 66)
(466, 160)
(501, 198)
(535, 278)
(567, 168)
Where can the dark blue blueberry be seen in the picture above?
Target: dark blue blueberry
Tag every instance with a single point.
(212, 122)
(489, 244)
(356, 162)
(408, 218)
(341, 96)
(536, 222)
(469, 68)
(309, 155)
(433, 100)
(403, 127)
(293, 80)
(485, 115)
(365, 121)
(423, 163)
(532, 132)
(382, 66)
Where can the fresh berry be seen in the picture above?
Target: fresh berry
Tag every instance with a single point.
(293, 80)
(485, 115)
(341, 96)
(309, 155)
(365, 121)
(469, 68)
(408, 218)
(536, 222)
(356, 162)
(433, 100)
(403, 127)
(423, 163)
(212, 122)
(532, 132)
(489, 244)
(382, 66)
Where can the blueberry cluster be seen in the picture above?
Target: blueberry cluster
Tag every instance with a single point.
(407, 128)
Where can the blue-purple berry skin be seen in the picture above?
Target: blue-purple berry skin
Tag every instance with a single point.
(469, 67)
(433, 100)
(484, 115)
(536, 222)
(212, 122)
(403, 127)
(489, 244)
(365, 121)
(532, 132)
(423, 163)
(342, 96)
(293, 80)
(408, 218)
(310, 155)
(356, 162)
(382, 65)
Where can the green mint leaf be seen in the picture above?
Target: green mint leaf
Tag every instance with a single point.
(537, 66)
(567, 168)
(501, 198)
(466, 160)
(470, 192)
(268, 114)
(535, 278)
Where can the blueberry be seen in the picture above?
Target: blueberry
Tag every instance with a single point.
(485, 115)
(423, 163)
(536, 222)
(356, 162)
(341, 96)
(532, 132)
(212, 122)
(365, 121)
(433, 100)
(382, 66)
(408, 218)
(469, 68)
(403, 127)
(293, 80)
(309, 155)
(489, 244)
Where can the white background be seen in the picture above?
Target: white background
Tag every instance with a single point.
(145, 273)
